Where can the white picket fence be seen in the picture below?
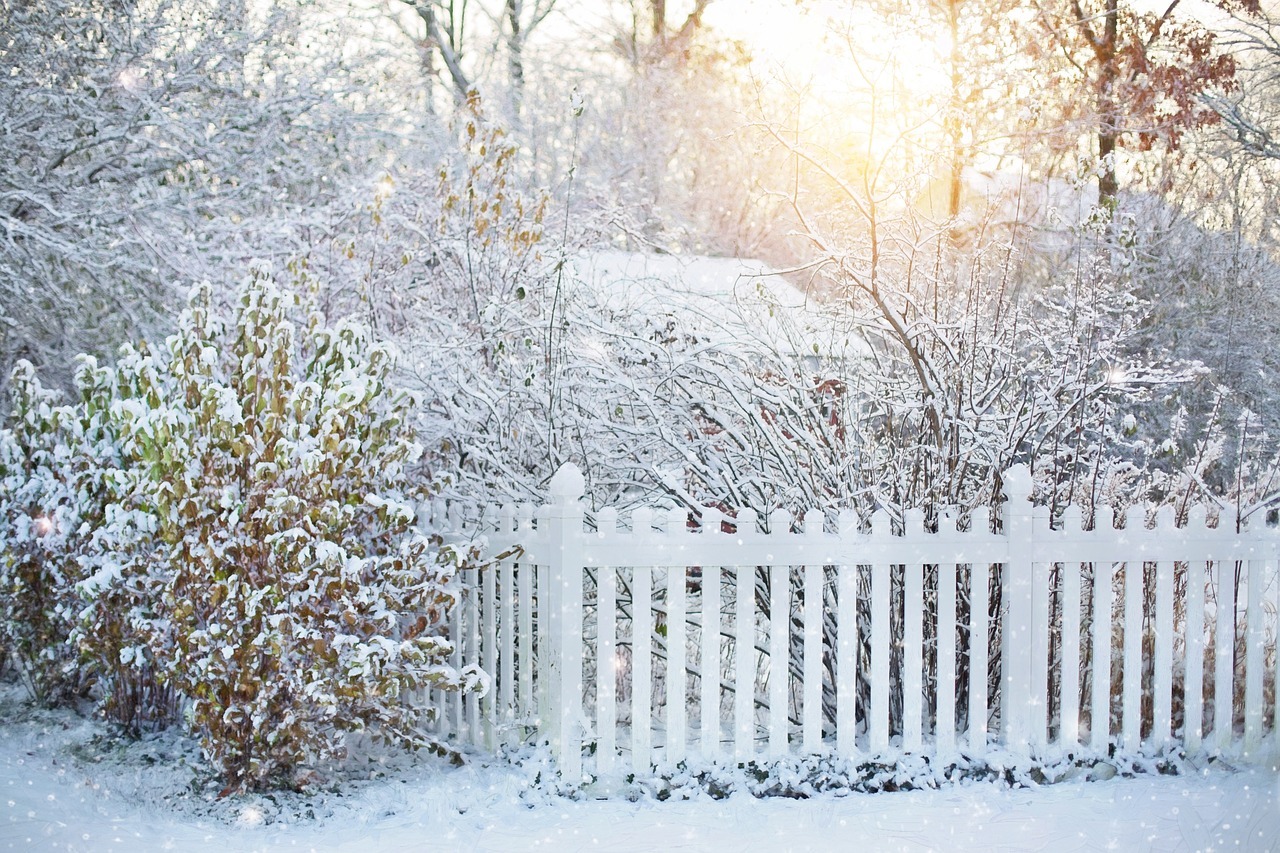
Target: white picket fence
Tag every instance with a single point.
(889, 642)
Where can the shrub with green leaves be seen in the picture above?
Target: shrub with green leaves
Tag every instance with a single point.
(122, 566)
(226, 521)
(298, 602)
(38, 520)
(70, 529)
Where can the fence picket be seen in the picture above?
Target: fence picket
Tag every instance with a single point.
(606, 652)
(568, 562)
(606, 670)
(454, 712)
(524, 589)
(1041, 574)
(1254, 639)
(507, 633)
(547, 647)
(913, 642)
(945, 727)
(1017, 667)
(1131, 675)
(744, 725)
(979, 649)
(1069, 671)
(489, 651)
(471, 651)
(846, 655)
(1103, 620)
(979, 639)
(779, 636)
(709, 706)
(1162, 698)
(1275, 713)
(677, 713)
(642, 651)
(1193, 632)
(878, 727)
(1224, 641)
(813, 609)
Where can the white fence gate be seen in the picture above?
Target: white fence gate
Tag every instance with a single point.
(658, 643)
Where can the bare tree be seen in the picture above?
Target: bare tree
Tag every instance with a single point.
(1247, 111)
(141, 142)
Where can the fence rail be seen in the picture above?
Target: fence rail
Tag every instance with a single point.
(651, 643)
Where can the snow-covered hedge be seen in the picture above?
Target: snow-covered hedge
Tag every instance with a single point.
(38, 530)
(231, 518)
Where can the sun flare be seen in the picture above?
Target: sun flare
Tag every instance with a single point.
(833, 46)
(862, 87)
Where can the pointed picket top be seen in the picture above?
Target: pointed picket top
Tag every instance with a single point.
(813, 522)
(642, 521)
(568, 484)
(913, 521)
(881, 523)
(607, 521)
(947, 521)
(980, 520)
(847, 523)
(677, 521)
(1017, 483)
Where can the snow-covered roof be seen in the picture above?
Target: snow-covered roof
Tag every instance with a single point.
(1011, 197)
(730, 300)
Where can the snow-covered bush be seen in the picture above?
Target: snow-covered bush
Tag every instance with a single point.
(38, 520)
(122, 566)
(296, 602)
(64, 490)
(229, 519)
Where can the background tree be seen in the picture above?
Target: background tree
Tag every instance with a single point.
(154, 141)
(1252, 36)
(1138, 75)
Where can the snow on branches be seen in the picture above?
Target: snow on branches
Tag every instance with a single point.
(256, 546)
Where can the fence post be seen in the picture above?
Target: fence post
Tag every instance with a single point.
(1016, 659)
(565, 561)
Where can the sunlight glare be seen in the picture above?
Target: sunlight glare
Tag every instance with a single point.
(857, 83)
(830, 44)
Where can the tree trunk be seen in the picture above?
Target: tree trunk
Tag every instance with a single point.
(445, 47)
(956, 110)
(1108, 109)
(515, 56)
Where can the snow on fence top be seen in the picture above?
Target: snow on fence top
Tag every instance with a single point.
(887, 641)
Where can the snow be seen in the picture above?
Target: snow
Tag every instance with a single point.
(731, 300)
(66, 787)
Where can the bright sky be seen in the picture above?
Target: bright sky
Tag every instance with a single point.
(804, 39)
(860, 82)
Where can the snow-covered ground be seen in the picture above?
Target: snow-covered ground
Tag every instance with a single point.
(66, 787)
